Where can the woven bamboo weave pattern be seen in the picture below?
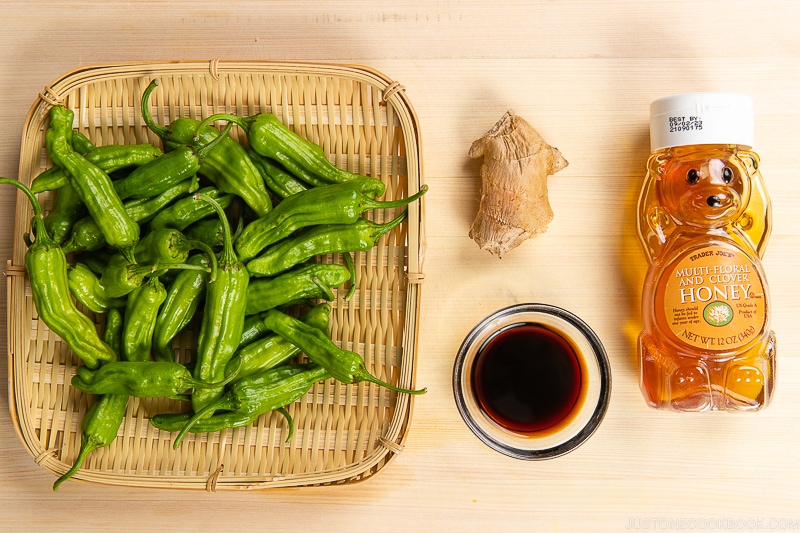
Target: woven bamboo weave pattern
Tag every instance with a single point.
(343, 433)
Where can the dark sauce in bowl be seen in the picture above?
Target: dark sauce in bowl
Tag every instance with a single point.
(529, 379)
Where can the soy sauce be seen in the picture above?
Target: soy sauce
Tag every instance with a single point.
(528, 379)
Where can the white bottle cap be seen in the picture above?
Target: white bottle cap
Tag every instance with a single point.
(701, 118)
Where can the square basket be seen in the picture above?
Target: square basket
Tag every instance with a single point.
(343, 433)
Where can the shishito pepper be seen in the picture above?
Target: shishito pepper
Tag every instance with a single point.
(99, 428)
(167, 246)
(186, 211)
(140, 379)
(269, 137)
(115, 322)
(67, 209)
(140, 319)
(92, 184)
(86, 235)
(109, 158)
(81, 143)
(311, 281)
(260, 393)
(216, 422)
(223, 317)
(227, 165)
(319, 240)
(343, 365)
(145, 209)
(209, 231)
(121, 276)
(87, 289)
(342, 203)
(278, 180)
(184, 296)
(170, 169)
(272, 350)
(46, 265)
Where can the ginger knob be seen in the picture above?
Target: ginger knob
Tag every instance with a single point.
(514, 205)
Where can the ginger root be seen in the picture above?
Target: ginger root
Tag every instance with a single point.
(514, 205)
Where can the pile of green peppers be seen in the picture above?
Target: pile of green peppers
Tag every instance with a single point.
(144, 237)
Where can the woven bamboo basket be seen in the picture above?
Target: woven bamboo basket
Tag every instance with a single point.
(343, 433)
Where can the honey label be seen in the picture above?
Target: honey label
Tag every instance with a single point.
(714, 298)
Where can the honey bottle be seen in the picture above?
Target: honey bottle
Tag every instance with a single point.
(704, 220)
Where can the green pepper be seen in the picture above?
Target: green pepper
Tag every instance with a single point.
(170, 169)
(115, 323)
(144, 209)
(187, 211)
(342, 203)
(166, 246)
(87, 289)
(97, 261)
(99, 428)
(49, 180)
(67, 209)
(121, 276)
(227, 165)
(140, 379)
(223, 316)
(320, 240)
(140, 319)
(86, 234)
(184, 296)
(217, 422)
(108, 158)
(270, 138)
(46, 265)
(81, 143)
(92, 184)
(278, 180)
(273, 350)
(209, 231)
(311, 281)
(344, 365)
(260, 393)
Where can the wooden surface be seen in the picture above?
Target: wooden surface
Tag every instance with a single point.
(583, 73)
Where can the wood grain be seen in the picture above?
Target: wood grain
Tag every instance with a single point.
(583, 74)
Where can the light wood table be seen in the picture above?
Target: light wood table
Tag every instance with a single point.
(583, 73)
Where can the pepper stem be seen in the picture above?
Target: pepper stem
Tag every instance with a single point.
(37, 208)
(202, 151)
(289, 420)
(159, 130)
(381, 229)
(368, 203)
(223, 403)
(39, 228)
(212, 257)
(363, 375)
(242, 122)
(326, 291)
(228, 254)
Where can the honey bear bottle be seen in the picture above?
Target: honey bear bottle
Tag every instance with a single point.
(704, 221)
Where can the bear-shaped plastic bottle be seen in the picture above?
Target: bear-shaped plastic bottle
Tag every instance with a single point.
(704, 222)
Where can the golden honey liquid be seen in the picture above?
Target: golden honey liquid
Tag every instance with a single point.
(704, 220)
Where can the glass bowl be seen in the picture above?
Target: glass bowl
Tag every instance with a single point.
(557, 356)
